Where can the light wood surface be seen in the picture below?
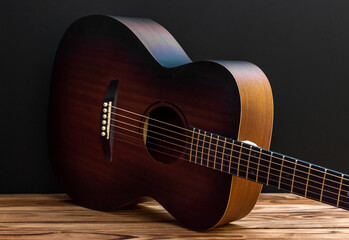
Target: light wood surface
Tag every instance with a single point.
(256, 123)
(276, 216)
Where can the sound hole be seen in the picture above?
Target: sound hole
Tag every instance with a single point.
(164, 141)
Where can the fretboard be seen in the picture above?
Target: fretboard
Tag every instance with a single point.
(266, 167)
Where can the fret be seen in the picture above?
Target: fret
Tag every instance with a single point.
(259, 162)
(331, 186)
(235, 158)
(299, 182)
(216, 138)
(227, 154)
(244, 159)
(205, 149)
(197, 146)
(297, 177)
(239, 159)
(294, 172)
(231, 156)
(322, 186)
(191, 145)
(315, 182)
(270, 160)
(282, 165)
(275, 169)
(202, 148)
(293, 176)
(213, 151)
(287, 174)
(219, 153)
(270, 168)
(248, 162)
(223, 154)
(344, 193)
(306, 186)
(339, 190)
(209, 150)
(252, 171)
(264, 166)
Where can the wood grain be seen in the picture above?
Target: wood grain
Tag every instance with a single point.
(138, 53)
(256, 123)
(276, 216)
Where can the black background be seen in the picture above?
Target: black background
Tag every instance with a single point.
(302, 46)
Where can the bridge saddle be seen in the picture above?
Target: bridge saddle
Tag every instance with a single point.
(106, 125)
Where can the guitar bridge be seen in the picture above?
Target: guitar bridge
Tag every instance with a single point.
(106, 119)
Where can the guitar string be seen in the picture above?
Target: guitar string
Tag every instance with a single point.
(185, 129)
(210, 155)
(222, 158)
(270, 179)
(309, 191)
(233, 144)
(223, 153)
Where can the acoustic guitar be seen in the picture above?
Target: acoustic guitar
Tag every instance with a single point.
(131, 116)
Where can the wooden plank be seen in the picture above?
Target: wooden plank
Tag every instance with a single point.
(276, 216)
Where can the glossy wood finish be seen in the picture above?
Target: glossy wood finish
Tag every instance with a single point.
(211, 96)
(257, 111)
(276, 216)
(243, 197)
(256, 122)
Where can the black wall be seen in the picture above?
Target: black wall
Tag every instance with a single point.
(302, 46)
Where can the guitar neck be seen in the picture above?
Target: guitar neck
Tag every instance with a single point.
(266, 167)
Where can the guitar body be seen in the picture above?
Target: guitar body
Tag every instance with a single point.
(155, 78)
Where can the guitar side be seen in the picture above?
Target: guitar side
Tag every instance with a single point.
(88, 60)
(256, 123)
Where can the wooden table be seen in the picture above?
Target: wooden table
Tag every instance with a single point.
(54, 216)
